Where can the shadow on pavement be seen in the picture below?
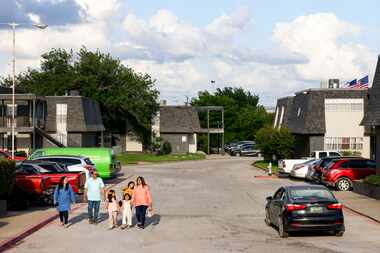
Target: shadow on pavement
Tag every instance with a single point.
(154, 220)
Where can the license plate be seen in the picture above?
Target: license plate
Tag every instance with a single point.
(316, 209)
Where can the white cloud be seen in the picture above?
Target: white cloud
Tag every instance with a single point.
(34, 18)
(318, 37)
(99, 9)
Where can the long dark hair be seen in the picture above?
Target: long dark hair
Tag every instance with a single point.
(109, 195)
(142, 181)
(60, 185)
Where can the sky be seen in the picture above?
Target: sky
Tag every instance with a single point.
(271, 48)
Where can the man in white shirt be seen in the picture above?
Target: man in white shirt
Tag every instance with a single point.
(93, 190)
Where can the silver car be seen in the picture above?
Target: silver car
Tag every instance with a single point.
(73, 163)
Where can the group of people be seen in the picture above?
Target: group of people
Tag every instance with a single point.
(135, 194)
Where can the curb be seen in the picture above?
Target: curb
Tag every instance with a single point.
(362, 214)
(13, 241)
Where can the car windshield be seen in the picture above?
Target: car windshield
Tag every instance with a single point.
(311, 195)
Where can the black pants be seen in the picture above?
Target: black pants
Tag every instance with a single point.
(64, 216)
(140, 214)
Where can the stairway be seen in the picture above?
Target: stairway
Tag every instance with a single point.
(49, 137)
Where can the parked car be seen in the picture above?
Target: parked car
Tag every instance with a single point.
(340, 173)
(7, 155)
(300, 170)
(246, 150)
(72, 163)
(304, 208)
(285, 166)
(315, 171)
(31, 186)
(236, 146)
(55, 171)
(103, 158)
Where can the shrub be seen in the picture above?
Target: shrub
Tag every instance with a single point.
(351, 153)
(373, 179)
(7, 177)
(277, 142)
(165, 149)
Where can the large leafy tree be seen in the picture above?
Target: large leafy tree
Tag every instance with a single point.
(123, 94)
(243, 116)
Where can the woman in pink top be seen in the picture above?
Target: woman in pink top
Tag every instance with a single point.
(142, 201)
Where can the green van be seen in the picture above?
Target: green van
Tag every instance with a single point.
(103, 158)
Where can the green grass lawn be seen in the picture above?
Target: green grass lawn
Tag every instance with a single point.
(134, 158)
(264, 165)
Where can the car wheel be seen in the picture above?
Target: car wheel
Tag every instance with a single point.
(343, 184)
(267, 219)
(281, 230)
(339, 233)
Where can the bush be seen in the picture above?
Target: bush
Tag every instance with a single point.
(165, 149)
(350, 153)
(277, 142)
(7, 177)
(373, 179)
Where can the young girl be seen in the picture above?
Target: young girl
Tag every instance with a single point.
(129, 188)
(127, 211)
(112, 208)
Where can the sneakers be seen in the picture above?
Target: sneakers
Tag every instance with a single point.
(140, 226)
(90, 221)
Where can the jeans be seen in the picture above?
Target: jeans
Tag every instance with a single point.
(93, 210)
(140, 214)
(64, 216)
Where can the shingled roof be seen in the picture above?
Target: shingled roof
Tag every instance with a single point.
(307, 112)
(179, 119)
(372, 115)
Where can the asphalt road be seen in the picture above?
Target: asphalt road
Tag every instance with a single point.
(201, 206)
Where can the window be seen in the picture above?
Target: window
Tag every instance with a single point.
(322, 154)
(276, 117)
(344, 143)
(344, 107)
(184, 138)
(278, 194)
(69, 161)
(358, 164)
(308, 195)
(247, 147)
(88, 161)
(334, 154)
(299, 112)
(371, 164)
(282, 116)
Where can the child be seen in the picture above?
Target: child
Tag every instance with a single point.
(129, 188)
(112, 208)
(127, 211)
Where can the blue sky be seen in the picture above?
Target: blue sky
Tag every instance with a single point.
(272, 48)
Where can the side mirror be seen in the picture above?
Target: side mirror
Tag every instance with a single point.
(269, 198)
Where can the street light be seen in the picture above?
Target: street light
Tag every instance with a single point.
(13, 25)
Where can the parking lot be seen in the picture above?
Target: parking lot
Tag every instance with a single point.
(201, 206)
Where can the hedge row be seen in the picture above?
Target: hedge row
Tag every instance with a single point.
(7, 177)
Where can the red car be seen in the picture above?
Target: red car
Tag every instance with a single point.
(341, 173)
(30, 186)
(55, 172)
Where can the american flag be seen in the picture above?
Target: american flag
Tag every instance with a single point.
(359, 84)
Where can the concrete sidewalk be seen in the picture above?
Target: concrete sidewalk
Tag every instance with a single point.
(15, 223)
(361, 204)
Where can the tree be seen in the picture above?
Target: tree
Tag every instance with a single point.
(277, 142)
(122, 93)
(243, 116)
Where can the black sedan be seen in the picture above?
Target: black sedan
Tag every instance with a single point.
(304, 208)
